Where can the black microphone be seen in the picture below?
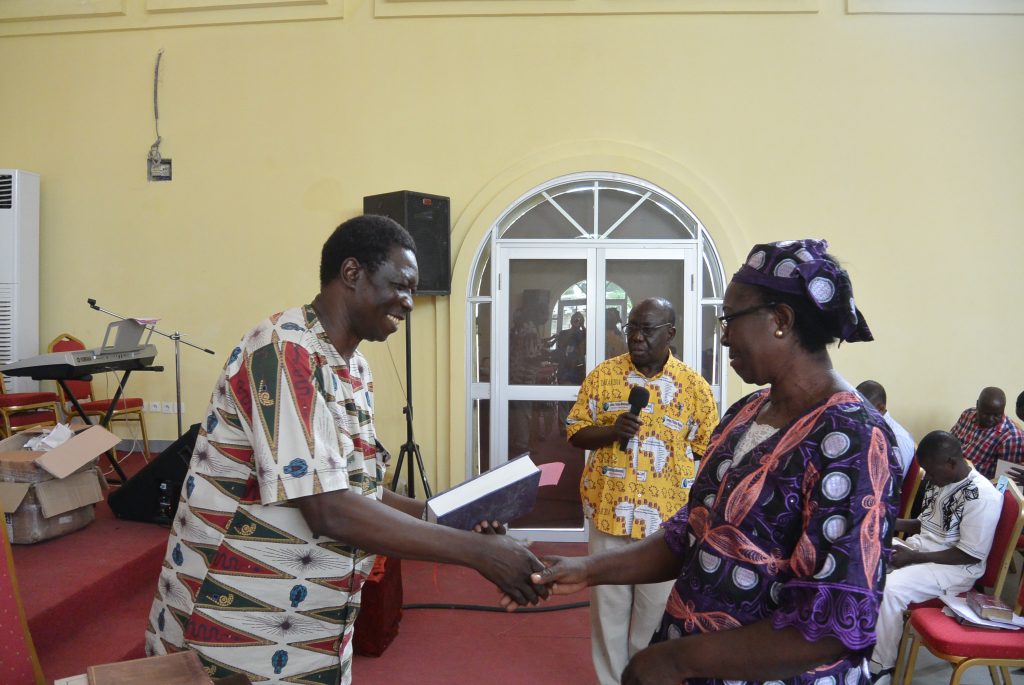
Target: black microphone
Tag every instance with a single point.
(92, 303)
(638, 398)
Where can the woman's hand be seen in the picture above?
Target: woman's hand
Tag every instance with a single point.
(561, 576)
(652, 666)
(564, 575)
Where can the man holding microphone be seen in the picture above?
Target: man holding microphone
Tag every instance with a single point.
(646, 418)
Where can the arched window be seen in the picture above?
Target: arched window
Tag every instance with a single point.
(536, 326)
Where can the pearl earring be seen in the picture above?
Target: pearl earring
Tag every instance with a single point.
(778, 334)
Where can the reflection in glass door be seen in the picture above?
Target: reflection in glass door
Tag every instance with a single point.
(544, 307)
(642, 274)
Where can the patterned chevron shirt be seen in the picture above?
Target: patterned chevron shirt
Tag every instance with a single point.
(245, 583)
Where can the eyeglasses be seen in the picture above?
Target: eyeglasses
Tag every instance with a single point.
(724, 321)
(646, 331)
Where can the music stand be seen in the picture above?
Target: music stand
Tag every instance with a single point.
(176, 337)
(410, 449)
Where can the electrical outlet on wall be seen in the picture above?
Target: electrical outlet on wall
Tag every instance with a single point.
(154, 407)
(168, 407)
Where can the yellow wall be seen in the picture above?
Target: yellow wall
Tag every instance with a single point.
(897, 137)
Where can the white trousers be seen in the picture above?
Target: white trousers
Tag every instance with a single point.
(623, 618)
(903, 586)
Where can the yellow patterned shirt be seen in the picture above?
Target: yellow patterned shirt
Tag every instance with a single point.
(630, 493)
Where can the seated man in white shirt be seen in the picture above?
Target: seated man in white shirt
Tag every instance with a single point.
(874, 393)
(948, 544)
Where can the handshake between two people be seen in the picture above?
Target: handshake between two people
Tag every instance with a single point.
(553, 575)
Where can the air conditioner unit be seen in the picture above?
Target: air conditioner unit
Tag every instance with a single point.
(19, 271)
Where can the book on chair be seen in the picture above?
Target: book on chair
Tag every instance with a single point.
(965, 615)
(988, 607)
(503, 494)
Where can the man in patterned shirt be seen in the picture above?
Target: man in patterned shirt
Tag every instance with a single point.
(283, 506)
(628, 493)
(948, 544)
(987, 434)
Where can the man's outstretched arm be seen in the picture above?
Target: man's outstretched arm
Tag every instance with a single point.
(376, 527)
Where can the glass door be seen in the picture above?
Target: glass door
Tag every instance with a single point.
(544, 305)
(640, 273)
(551, 328)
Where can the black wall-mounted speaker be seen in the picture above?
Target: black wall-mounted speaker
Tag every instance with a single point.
(428, 220)
(151, 495)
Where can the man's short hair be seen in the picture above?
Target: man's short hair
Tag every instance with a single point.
(939, 444)
(1020, 399)
(873, 392)
(368, 238)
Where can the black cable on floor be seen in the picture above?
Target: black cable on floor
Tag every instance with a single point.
(484, 607)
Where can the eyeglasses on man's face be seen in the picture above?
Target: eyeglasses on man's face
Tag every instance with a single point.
(646, 331)
(726, 319)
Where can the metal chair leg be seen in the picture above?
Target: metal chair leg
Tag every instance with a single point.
(145, 437)
(897, 675)
(915, 645)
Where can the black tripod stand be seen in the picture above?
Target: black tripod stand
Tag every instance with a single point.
(410, 448)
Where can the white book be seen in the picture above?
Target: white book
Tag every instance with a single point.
(503, 494)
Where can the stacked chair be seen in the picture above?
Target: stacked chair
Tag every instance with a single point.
(23, 410)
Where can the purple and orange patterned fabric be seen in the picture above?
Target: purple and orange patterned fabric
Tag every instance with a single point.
(798, 532)
(800, 267)
(245, 583)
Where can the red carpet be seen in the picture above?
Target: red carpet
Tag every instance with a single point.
(87, 597)
(445, 646)
(87, 594)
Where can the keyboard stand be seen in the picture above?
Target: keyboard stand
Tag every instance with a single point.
(105, 421)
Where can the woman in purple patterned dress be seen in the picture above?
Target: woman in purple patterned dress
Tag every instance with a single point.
(780, 555)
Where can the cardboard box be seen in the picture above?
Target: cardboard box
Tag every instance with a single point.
(47, 494)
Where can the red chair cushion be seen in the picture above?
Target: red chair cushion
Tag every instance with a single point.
(122, 404)
(18, 399)
(30, 418)
(945, 635)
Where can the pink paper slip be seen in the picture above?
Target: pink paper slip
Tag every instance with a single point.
(551, 472)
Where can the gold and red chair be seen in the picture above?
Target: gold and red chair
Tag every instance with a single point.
(23, 410)
(127, 408)
(965, 646)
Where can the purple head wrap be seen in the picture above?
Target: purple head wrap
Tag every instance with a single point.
(800, 267)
